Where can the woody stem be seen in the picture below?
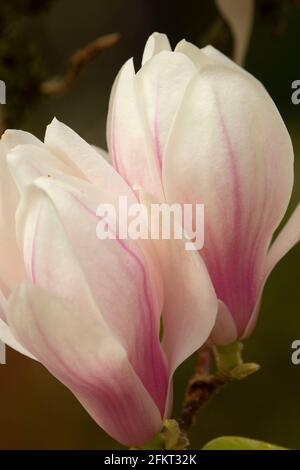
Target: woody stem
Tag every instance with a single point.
(204, 385)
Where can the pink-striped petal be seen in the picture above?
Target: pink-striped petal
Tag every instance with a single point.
(77, 348)
(162, 82)
(129, 136)
(116, 270)
(230, 150)
(61, 325)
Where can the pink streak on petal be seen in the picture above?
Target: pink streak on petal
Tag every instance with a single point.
(235, 176)
(233, 262)
(155, 378)
(235, 282)
(158, 388)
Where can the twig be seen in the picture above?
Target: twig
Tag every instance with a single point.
(204, 385)
(59, 85)
(200, 389)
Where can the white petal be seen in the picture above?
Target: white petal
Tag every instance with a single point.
(6, 335)
(196, 55)
(224, 331)
(11, 265)
(29, 162)
(156, 43)
(162, 84)
(128, 135)
(84, 159)
(207, 56)
(11, 138)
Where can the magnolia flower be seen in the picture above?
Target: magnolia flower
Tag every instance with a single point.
(192, 127)
(90, 309)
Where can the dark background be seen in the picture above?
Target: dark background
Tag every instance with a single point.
(36, 411)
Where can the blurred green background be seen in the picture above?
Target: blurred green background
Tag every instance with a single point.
(36, 411)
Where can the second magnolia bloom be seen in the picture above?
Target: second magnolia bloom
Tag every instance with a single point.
(89, 309)
(192, 127)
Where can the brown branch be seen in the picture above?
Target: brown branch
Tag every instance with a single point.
(59, 85)
(203, 385)
(200, 389)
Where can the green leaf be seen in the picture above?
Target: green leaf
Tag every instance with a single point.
(239, 443)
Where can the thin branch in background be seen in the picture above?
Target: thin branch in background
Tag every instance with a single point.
(59, 85)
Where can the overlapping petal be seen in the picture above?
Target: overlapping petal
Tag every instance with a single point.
(11, 266)
(60, 323)
(90, 309)
(156, 43)
(130, 146)
(190, 304)
(228, 134)
(117, 274)
(162, 82)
